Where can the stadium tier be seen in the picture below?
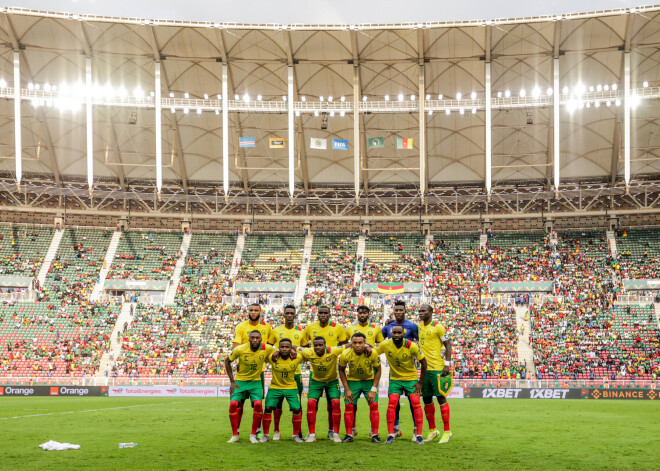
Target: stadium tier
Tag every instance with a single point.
(146, 255)
(271, 257)
(22, 249)
(578, 332)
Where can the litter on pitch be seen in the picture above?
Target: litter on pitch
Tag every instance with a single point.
(52, 445)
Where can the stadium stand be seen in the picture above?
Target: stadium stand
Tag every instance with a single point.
(146, 255)
(271, 257)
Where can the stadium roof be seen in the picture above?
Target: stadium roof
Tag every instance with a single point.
(386, 59)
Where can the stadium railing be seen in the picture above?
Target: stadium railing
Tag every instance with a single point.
(634, 299)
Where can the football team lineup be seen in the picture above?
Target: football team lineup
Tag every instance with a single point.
(334, 350)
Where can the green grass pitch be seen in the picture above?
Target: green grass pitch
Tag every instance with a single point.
(191, 434)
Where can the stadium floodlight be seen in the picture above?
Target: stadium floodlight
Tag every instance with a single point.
(219, 97)
(549, 91)
(635, 100)
(186, 111)
(332, 114)
(617, 102)
(588, 105)
(580, 89)
(3, 84)
(30, 86)
(507, 93)
(473, 95)
(387, 98)
(536, 92)
(591, 88)
(236, 97)
(138, 93)
(462, 111)
(35, 102)
(37, 86)
(447, 111)
(187, 95)
(284, 98)
(341, 113)
(645, 84)
(47, 86)
(364, 97)
(246, 98)
(614, 86)
(171, 94)
(608, 103)
(571, 105)
(330, 98)
(342, 99)
(597, 104)
(499, 94)
(217, 111)
(303, 98)
(430, 112)
(606, 87)
(297, 112)
(459, 95)
(199, 111)
(474, 111)
(428, 97)
(599, 88)
(523, 92)
(316, 113)
(121, 92)
(440, 97)
(400, 97)
(206, 96)
(565, 90)
(173, 110)
(259, 97)
(321, 98)
(412, 97)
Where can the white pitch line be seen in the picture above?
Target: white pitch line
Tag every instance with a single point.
(89, 410)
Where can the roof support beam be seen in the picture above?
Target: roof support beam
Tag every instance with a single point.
(183, 173)
(26, 68)
(292, 132)
(422, 132)
(363, 175)
(225, 129)
(89, 124)
(356, 131)
(626, 118)
(489, 131)
(18, 143)
(555, 125)
(159, 130)
(298, 119)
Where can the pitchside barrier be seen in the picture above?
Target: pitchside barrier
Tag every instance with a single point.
(457, 392)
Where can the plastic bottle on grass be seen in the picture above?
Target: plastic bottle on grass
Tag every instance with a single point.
(127, 445)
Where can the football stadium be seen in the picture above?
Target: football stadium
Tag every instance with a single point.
(412, 245)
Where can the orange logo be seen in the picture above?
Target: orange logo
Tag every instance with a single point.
(595, 394)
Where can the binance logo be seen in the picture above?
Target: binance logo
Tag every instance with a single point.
(652, 394)
(596, 394)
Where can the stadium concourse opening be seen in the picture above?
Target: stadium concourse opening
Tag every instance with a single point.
(449, 216)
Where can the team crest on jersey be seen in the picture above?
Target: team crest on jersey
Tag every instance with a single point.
(370, 334)
(331, 334)
(261, 357)
(296, 336)
(404, 356)
(292, 367)
(328, 359)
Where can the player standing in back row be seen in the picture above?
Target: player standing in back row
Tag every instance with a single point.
(439, 378)
(334, 336)
(294, 333)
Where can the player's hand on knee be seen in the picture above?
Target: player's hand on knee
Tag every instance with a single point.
(348, 396)
(418, 388)
(233, 386)
(371, 397)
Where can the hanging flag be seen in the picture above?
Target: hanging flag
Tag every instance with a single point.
(375, 142)
(391, 288)
(247, 142)
(340, 144)
(276, 143)
(404, 143)
(317, 143)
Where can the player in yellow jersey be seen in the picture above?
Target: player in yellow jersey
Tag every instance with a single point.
(439, 379)
(241, 336)
(401, 355)
(334, 335)
(284, 386)
(373, 334)
(294, 333)
(363, 378)
(251, 358)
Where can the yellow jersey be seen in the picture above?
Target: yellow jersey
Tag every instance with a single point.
(360, 367)
(324, 368)
(373, 333)
(296, 335)
(242, 334)
(333, 333)
(401, 360)
(250, 364)
(430, 342)
(284, 372)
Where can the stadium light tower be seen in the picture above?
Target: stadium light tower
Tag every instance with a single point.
(626, 119)
(225, 131)
(489, 155)
(291, 131)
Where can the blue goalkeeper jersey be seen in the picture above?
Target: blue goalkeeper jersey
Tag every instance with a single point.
(410, 331)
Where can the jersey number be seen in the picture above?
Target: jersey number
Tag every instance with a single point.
(360, 370)
(421, 341)
(253, 367)
(322, 368)
(285, 374)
